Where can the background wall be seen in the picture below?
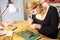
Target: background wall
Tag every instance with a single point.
(16, 16)
(0, 9)
(25, 15)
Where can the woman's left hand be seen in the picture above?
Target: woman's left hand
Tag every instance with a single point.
(34, 26)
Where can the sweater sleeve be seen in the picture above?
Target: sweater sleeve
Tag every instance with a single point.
(51, 30)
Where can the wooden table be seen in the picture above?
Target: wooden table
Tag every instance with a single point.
(22, 26)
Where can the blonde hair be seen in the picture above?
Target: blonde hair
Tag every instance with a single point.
(33, 4)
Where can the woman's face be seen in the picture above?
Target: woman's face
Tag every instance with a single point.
(36, 10)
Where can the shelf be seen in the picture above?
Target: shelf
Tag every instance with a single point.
(52, 0)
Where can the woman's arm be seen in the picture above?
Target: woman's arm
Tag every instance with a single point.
(51, 30)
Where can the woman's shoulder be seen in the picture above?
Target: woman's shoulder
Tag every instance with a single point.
(53, 8)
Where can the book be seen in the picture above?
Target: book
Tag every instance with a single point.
(28, 35)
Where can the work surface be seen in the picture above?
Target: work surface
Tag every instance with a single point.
(20, 27)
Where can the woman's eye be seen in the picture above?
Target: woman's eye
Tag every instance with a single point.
(33, 12)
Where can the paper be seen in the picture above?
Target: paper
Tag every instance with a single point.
(10, 33)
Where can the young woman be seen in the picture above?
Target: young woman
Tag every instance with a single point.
(44, 18)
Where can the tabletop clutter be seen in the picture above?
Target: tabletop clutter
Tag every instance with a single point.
(17, 30)
(9, 34)
(26, 34)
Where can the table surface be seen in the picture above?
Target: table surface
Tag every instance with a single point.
(22, 26)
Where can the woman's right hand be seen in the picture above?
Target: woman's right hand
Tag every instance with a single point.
(30, 21)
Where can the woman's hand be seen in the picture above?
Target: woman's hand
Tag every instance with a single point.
(35, 26)
(30, 21)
